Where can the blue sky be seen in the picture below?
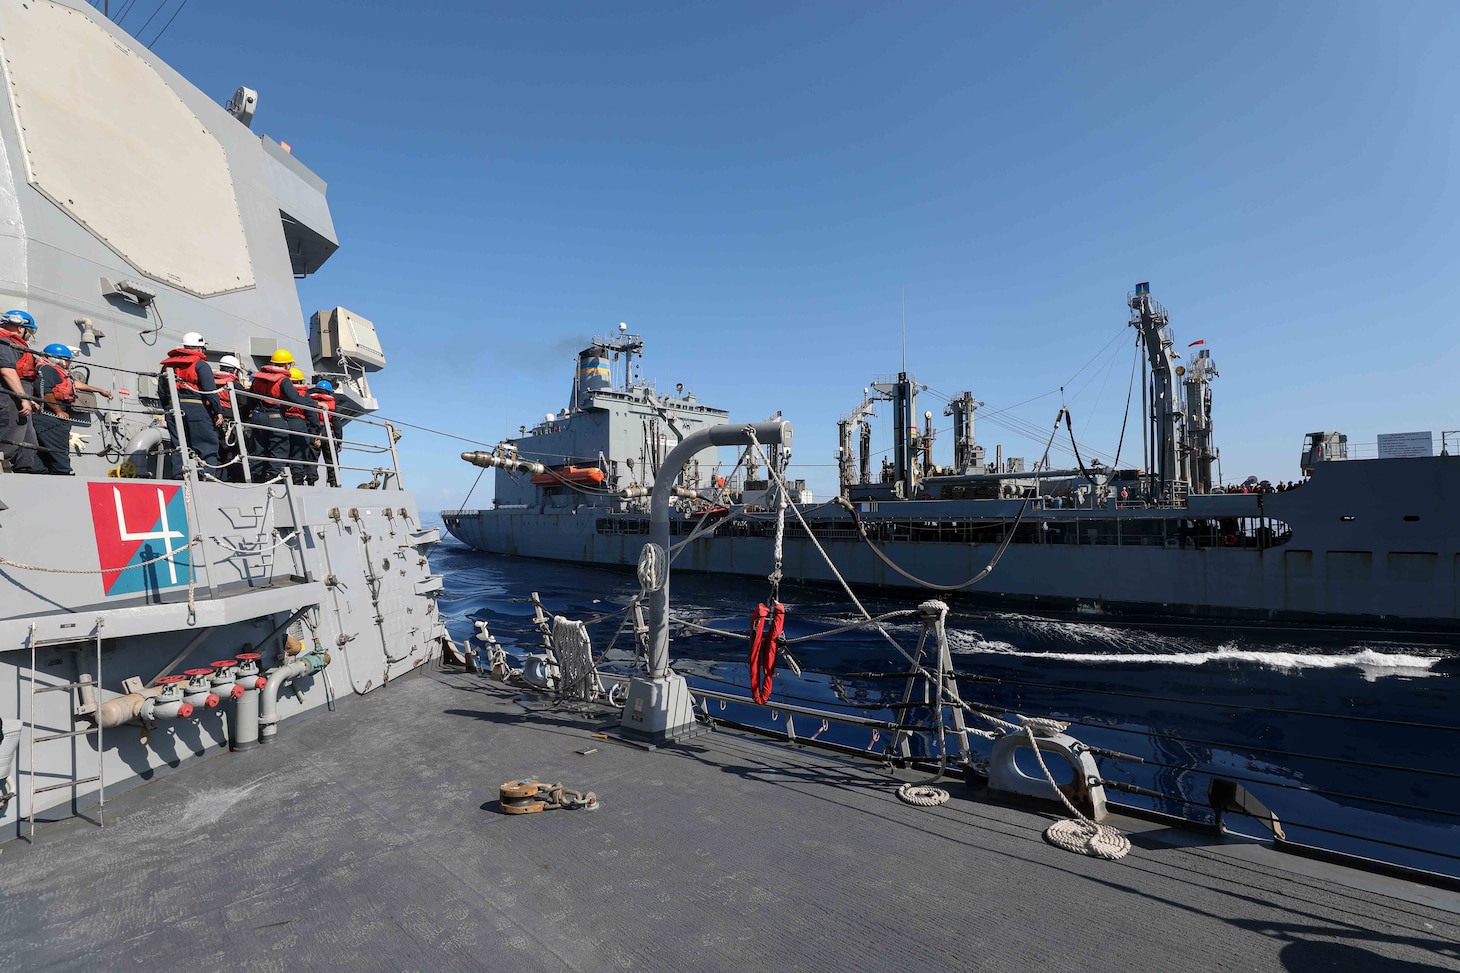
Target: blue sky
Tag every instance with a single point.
(753, 186)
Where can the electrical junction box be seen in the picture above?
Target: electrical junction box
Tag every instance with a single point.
(344, 335)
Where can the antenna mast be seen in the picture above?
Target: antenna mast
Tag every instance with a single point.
(904, 329)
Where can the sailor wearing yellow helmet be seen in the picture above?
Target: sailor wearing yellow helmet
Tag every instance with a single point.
(271, 393)
(304, 432)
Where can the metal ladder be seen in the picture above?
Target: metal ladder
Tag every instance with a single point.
(35, 690)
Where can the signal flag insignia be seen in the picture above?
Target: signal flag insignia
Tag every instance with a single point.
(136, 523)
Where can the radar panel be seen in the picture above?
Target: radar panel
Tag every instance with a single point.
(107, 140)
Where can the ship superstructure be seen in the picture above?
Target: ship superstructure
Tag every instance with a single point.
(144, 621)
(1348, 547)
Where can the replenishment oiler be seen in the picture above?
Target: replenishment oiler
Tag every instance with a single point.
(146, 621)
(1358, 543)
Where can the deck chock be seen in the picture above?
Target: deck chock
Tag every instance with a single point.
(1083, 790)
(1225, 795)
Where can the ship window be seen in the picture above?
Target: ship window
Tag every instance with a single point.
(1411, 518)
(1348, 518)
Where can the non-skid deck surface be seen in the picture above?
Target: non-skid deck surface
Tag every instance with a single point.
(367, 839)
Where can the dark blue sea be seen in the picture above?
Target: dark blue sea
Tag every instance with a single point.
(1350, 741)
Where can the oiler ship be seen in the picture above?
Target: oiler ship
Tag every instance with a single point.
(1361, 543)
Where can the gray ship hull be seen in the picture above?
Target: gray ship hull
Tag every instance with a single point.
(145, 621)
(1361, 552)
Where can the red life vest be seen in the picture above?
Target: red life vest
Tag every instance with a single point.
(225, 380)
(269, 381)
(184, 361)
(326, 402)
(63, 391)
(293, 411)
(26, 366)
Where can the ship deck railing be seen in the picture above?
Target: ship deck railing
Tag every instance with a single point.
(333, 444)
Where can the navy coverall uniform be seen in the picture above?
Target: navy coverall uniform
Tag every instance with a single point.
(52, 431)
(198, 396)
(269, 449)
(17, 432)
(304, 429)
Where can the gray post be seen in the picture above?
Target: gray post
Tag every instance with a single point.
(394, 459)
(190, 474)
(241, 433)
(658, 707)
(329, 432)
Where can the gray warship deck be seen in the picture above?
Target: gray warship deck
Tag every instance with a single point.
(368, 839)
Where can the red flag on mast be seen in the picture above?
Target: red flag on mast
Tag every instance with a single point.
(1199, 341)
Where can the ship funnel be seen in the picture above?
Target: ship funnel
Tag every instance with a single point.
(593, 372)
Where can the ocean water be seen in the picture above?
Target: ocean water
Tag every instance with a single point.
(1349, 741)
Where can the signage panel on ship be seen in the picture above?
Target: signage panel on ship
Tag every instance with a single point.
(1400, 445)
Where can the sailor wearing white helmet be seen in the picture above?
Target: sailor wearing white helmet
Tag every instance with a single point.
(228, 376)
(198, 397)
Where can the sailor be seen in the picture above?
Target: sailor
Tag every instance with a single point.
(270, 391)
(198, 399)
(323, 395)
(228, 375)
(17, 391)
(57, 389)
(305, 430)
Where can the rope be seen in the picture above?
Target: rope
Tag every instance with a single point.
(140, 564)
(462, 505)
(193, 521)
(577, 675)
(921, 795)
(1081, 835)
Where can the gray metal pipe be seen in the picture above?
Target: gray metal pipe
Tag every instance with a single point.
(304, 665)
(767, 433)
(143, 443)
(245, 735)
(269, 706)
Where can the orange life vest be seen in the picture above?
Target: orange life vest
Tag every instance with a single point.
(325, 400)
(269, 381)
(225, 380)
(184, 361)
(293, 411)
(63, 391)
(26, 366)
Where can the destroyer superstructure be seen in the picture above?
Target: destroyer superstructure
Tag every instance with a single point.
(1160, 538)
(143, 621)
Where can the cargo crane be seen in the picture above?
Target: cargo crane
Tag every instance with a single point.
(851, 472)
(1165, 458)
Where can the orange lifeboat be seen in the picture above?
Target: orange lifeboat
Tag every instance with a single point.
(578, 475)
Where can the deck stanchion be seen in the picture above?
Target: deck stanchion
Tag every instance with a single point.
(658, 708)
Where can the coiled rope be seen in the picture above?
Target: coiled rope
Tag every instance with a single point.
(1081, 835)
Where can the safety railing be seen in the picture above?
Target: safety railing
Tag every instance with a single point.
(326, 436)
(334, 447)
